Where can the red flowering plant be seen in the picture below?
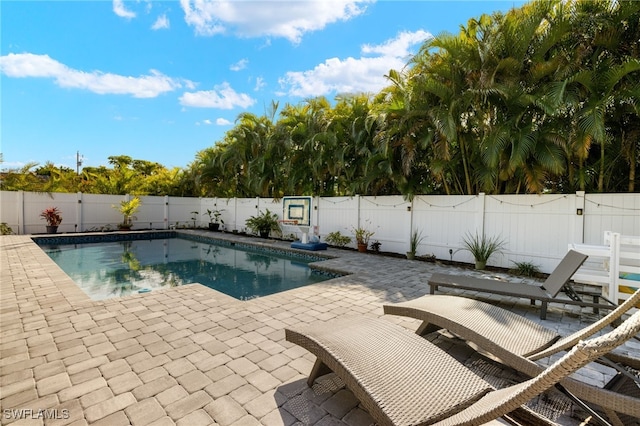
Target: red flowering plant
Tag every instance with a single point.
(52, 216)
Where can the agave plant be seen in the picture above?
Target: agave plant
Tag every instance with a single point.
(414, 242)
(482, 247)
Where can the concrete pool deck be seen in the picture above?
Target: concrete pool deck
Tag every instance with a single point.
(190, 355)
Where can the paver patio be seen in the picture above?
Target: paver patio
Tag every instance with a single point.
(193, 356)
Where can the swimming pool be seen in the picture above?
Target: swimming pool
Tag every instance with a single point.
(120, 268)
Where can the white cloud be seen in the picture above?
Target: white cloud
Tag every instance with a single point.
(240, 65)
(162, 23)
(287, 19)
(146, 86)
(121, 11)
(207, 122)
(399, 47)
(222, 97)
(354, 75)
(260, 84)
(223, 122)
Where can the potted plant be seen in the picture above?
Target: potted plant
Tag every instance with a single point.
(362, 235)
(215, 219)
(128, 209)
(53, 218)
(482, 248)
(414, 242)
(263, 223)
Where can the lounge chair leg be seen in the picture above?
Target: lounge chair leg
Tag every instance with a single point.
(426, 328)
(432, 289)
(319, 369)
(543, 310)
(598, 418)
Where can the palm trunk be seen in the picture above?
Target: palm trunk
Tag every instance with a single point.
(632, 167)
(602, 166)
(465, 166)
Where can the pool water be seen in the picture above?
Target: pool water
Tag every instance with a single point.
(116, 269)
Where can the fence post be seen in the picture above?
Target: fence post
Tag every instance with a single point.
(79, 224)
(358, 211)
(614, 266)
(20, 208)
(410, 222)
(480, 213)
(166, 212)
(316, 213)
(578, 215)
(235, 214)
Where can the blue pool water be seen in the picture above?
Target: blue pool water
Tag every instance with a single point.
(115, 269)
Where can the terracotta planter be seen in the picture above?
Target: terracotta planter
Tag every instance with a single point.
(52, 229)
(362, 248)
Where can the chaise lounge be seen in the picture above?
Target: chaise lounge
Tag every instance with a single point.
(403, 379)
(518, 341)
(546, 293)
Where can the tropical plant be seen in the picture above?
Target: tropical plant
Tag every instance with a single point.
(482, 247)
(128, 209)
(215, 216)
(5, 229)
(52, 216)
(362, 236)
(263, 223)
(215, 219)
(337, 239)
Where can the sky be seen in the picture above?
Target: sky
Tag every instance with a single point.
(162, 80)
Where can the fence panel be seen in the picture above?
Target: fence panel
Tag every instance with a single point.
(181, 212)
(245, 208)
(277, 207)
(11, 210)
(443, 221)
(535, 228)
(151, 213)
(610, 212)
(100, 211)
(389, 219)
(35, 203)
(337, 214)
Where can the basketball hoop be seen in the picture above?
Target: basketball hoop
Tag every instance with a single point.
(304, 229)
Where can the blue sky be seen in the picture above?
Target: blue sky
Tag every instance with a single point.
(162, 80)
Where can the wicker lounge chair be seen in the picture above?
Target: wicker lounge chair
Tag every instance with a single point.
(518, 341)
(403, 379)
(546, 293)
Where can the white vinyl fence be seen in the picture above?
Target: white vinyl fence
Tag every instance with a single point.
(535, 228)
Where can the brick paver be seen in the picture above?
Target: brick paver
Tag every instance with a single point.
(190, 355)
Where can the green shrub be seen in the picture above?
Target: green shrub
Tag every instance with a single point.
(337, 239)
(5, 229)
(526, 269)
